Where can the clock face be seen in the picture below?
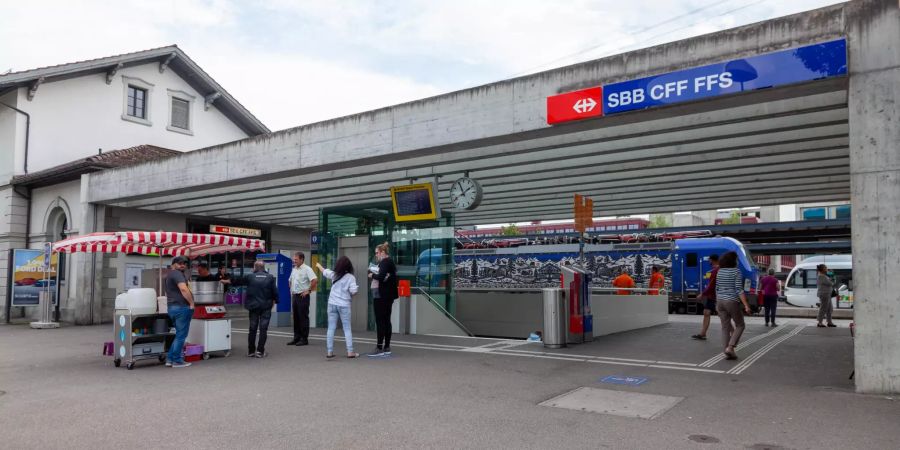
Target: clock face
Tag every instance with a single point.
(465, 193)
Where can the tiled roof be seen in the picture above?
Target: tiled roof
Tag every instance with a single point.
(74, 169)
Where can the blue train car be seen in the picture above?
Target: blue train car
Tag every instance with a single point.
(691, 266)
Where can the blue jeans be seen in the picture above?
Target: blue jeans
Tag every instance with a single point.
(181, 317)
(333, 312)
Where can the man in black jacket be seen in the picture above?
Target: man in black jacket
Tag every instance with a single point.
(262, 294)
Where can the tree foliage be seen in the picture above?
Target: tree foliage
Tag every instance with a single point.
(660, 222)
(511, 230)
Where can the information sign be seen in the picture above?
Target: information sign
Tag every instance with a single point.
(781, 68)
(414, 202)
(575, 105)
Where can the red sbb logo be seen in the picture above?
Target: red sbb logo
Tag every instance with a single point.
(575, 105)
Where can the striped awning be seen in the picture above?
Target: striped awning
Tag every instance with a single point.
(162, 243)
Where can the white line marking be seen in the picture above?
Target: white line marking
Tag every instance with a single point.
(497, 348)
(605, 358)
(695, 369)
(361, 339)
(720, 357)
(736, 370)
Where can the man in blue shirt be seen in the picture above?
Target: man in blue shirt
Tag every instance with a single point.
(180, 306)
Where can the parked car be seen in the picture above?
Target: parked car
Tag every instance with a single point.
(44, 283)
(26, 282)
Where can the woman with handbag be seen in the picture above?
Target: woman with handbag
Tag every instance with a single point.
(825, 291)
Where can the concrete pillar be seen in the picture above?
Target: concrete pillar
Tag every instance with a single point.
(85, 307)
(873, 31)
(13, 211)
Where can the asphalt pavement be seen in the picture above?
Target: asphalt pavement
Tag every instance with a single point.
(788, 389)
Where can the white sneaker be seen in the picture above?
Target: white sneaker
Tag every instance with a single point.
(181, 364)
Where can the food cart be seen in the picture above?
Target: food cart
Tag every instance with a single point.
(142, 332)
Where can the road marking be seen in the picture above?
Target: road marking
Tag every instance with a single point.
(736, 370)
(720, 357)
(504, 348)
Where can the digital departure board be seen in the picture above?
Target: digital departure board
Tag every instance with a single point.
(415, 202)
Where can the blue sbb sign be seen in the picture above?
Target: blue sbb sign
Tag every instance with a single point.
(781, 68)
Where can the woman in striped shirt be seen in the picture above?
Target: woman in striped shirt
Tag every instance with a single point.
(730, 289)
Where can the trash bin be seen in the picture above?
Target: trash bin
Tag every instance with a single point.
(554, 318)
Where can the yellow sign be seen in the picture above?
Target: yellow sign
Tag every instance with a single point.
(414, 202)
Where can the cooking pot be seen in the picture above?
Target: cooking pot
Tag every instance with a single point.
(208, 293)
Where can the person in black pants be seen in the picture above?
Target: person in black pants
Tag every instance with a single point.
(302, 282)
(262, 294)
(384, 287)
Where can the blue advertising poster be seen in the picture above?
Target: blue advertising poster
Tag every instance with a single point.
(29, 277)
(781, 68)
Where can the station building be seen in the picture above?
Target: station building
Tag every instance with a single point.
(799, 109)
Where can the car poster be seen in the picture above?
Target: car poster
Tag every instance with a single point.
(29, 277)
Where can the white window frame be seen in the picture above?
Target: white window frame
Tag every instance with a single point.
(183, 96)
(138, 83)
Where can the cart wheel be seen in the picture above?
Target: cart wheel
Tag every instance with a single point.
(205, 356)
(227, 353)
(162, 358)
(117, 362)
(129, 366)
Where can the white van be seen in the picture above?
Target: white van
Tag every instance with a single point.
(800, 289)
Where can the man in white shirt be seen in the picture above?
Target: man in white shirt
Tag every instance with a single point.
(303, 281)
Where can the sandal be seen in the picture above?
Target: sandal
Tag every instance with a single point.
(353, 355)
(699, 337)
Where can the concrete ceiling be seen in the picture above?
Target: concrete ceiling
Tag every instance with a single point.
(768, 147)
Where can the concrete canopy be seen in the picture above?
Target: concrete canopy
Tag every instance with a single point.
(764, 147)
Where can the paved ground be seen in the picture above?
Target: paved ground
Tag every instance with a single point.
(789, 389)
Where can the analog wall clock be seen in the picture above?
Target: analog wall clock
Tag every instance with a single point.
(465, 194)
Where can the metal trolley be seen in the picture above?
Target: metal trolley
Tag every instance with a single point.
(134, 337)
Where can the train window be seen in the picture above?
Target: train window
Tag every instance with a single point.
(691, 260)
(805, 279)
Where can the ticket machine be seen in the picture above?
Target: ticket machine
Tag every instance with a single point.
(280, 267)
(576, 282)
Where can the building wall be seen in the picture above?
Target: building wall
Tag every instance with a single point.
(72, 119)
(12, 136)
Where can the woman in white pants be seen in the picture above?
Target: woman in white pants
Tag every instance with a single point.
(343, 288)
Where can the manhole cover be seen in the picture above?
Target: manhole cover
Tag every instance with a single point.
(703, 439)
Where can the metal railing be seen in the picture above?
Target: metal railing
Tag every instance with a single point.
(442, 310)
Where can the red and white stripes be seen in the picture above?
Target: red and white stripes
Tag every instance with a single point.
(158, 242)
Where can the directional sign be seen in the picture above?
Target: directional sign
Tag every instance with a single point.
(575, 105)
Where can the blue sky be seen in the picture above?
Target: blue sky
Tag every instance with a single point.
(298, 62)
